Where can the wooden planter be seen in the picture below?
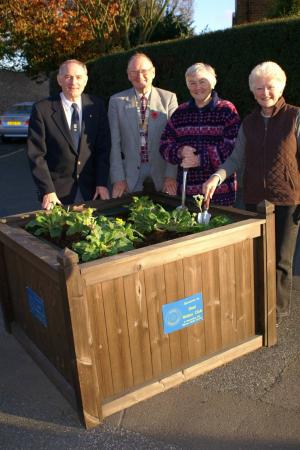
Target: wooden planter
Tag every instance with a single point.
(97, 328)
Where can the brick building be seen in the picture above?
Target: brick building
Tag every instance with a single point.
(251, 11)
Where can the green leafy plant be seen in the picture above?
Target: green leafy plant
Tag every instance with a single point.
(50, 223)
(147, 215)
(199, 198)
(92, 236)
(219, 221)
(108, 237)
(80, 223)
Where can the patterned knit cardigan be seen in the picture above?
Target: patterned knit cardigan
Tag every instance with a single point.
(212, 131)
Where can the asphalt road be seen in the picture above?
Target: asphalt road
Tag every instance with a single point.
(252, 403)
(17, 190)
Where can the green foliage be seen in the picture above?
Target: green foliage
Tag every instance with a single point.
(170, 26)
(232, 52)
(148, 216)
(109, 237)
(48, 223)
(99, 236)
(219, 221)
(284, 8)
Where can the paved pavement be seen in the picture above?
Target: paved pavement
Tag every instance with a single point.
(251, 403)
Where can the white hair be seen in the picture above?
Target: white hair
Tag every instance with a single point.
(268, 69)
(206, 70)
(71, 61)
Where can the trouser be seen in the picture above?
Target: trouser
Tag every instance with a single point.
(286, 232)
(78, 197)
(144, 178)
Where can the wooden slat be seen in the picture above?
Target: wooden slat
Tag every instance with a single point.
(33, 250)
(5, 296)
(117, 334)
(212, 304)
(268, 256)
(174, 282)
(244, 296)
(90, 388)
(156, 298)
(98, 324)
(51, 340)
(228, 295)
(249, 288)
(223, 357)
(193, 284)
(175, 379)
(138, 328)
(166, 252)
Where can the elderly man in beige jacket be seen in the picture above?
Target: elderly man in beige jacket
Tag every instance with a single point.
(137, 118)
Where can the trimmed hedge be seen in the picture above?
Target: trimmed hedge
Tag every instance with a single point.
(232, 52)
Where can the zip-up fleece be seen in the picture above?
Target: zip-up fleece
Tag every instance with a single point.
(272, 158)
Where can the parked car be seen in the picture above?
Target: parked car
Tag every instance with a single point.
(14, 122)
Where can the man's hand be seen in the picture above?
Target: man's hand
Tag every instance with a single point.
(189, 158)
(209, 187)
(170, 186)
(102, 192)
(50, 200)
(119, 188)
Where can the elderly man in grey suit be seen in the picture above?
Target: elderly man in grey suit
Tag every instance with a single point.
(137, 118)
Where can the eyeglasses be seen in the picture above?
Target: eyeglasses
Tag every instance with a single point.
(135, 73)
(194, 83)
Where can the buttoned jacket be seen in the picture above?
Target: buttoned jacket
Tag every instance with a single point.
(124, 125)
(55, 163)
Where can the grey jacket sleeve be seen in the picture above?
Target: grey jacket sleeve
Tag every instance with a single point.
(236, 161)
(116, 165)
(171, 170)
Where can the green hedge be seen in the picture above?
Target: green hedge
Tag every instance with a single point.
(232, 52)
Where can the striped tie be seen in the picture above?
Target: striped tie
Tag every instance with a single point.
(75, 126)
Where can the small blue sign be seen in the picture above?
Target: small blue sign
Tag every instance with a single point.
(36, 306)
(183, 313)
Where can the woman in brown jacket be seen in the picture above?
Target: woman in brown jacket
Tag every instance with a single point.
(267, 151)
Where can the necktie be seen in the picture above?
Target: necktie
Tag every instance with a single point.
(144, 130)
(75, 126)
(143, 107)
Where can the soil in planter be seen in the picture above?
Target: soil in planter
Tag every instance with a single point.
(156, 237)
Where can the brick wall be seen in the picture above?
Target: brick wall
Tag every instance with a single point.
(251, 10)
(17, 87)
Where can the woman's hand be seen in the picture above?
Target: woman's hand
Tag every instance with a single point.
(189, 157)
(209, 187)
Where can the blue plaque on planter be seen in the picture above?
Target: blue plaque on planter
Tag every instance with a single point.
(36, 306)
(182, 313)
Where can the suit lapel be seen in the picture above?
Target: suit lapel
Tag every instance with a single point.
(156, 108)
(131, 115)
(87, 115)
(60, 120)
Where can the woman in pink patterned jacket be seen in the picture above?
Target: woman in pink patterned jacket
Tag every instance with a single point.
(201, 134)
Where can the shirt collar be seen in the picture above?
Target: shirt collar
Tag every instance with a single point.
(211, 105)
(68, 103)
(139, 94)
